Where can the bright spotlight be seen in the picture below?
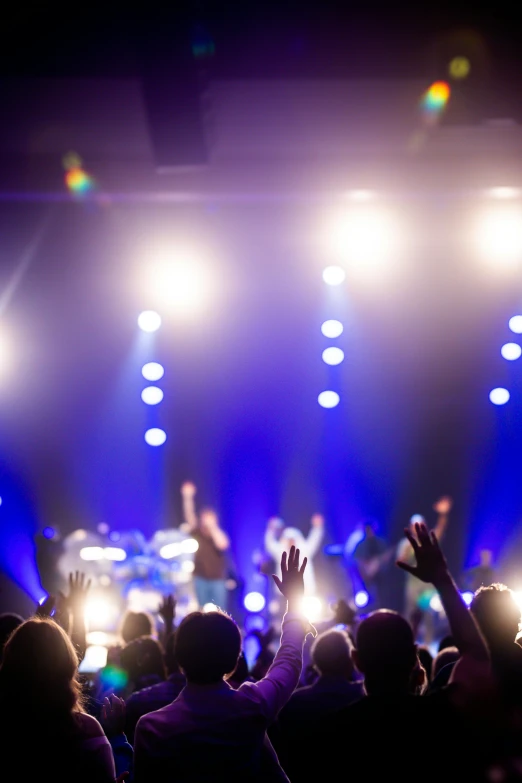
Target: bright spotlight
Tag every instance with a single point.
(312, 608)
(99, 612)
(435, 603)
(152, 395)
(333, 275)
(188, 566)
(511, 351)
(95, 658)
(254, 602)
(361, 599)
(499, 237)
(515, 324)
(98, 638)
(189, 546)
(152, 371)
(332, 328)
(333, 355)
(171, 550)
(115, 553)
(504, 193)
(210, 607)
(366, 239)
(91, 553)
(467, 597)
(416, 518)
(181, 282)
(517, 595)
(328, 399)
(499, 396)
(149, 321)
(155, 436)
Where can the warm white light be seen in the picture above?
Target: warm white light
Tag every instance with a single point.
(332, 328)
(366, 240)
(189, 546)
(171, 550)
(517, 595)
(99, 612)
(511, 351)
(499, 238)
(210, 608)
(140, 600)
(499, 396)
(152, 371)
(188, 566)
(515, 324)
(361, 196)
(98, 638)
(149, 321)
(254, 602)
(114, 553)
(152, 395)
(504, 193)
(328, 399)
(180, 281)
(361, 599)
(95, 658)
(333, 275)
(155, 436)
(333, 355)
(92, 553)
(312, 608)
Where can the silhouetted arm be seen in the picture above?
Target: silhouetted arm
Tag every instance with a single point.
(190, 519)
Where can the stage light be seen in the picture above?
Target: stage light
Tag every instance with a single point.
(517, 595)
(499, 396)
(152, 395)
(105, 580)
(140, 600)
(361, 196)
(417, 518)
(49, 533)
(189, 546)
(332, 328)
(361, 599)
(333, 355)
(515, 324)
(114, 535)
(188, 566)
(459, 67)
(149, 321)
(274, 606)
(328, 399)
(499, 238)
(180, 281)
(103, 528)
(511, 351)
(504, 193)
(100, 612)
(155, 436)
(91, 553)
(171, 550)
(114, 553)
(210, 607)
(152, 371)
(435, 603)
(254, 602)
(366, 241)
(467, 597)
(98, 638)
(95, 658)
(333, 275)
(312, 608)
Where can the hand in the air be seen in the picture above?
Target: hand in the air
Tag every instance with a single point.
(431, 564)
(317, 520)
(291, 584)
(443, 505)
(275, 524)
(112, 716)
(167, 609)
(77, 595)
(188, 489)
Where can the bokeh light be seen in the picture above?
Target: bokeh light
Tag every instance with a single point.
(254, 601)
(78, 182)
(333, 328)
(328, 399)
(152, 371)
(333, 355)
(459, 68)
(152, 395)
(180, 282)
(511, 351)
(504, 193)
(361, 599)
(95, 658)
(49, 533)
(155, 436)
(333, 275)
(416, 518)
(435, 603)
(312, 607)
(499, 238)
(434, 102)
(71, 160)
(515, 324)
(149, 321)
(365, 240)
(467, 597)
(499, 396)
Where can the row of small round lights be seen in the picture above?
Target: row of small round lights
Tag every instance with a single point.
(150, 321)
(332, 329)
(510, 351)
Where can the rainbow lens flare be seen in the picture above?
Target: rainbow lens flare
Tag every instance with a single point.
(78, 182)
(434, 101)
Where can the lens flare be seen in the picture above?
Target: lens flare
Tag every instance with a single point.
(434, 102)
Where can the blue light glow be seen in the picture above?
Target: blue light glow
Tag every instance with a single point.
(328, 399)
(499, 396)
(254, 602)
(361, 599)
(333, 355)
(155, 436)
(152, 395)
(332, 328)
(152, 371)
(511, 351)
(48, 532)
(515, 324)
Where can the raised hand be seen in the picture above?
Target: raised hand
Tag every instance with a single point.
(443, 505)
(78, 591)
(188, 489)
(431, 564)
(167, 610)
(112, 716)
(291, 584)
(275, 524)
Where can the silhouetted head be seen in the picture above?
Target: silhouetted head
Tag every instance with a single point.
(332, 654)
(143, 661)
(443, 658)
(497, 612)
(385, 652)
(136, 624)
(207, 646)
(8, 623)
(39, 672)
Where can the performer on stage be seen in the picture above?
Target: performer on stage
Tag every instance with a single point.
(210, 560)
(372, 556)
(417, 594)
(279, 539)
(483, 574)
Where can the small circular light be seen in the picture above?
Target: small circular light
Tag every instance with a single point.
(361, 599)
(334, 275)
(511, 351)
(149, 321)
(254, 602)
(152, 371)
(328, 399)
(155, 436)
(333, 355)
(499, 396)
(332, 328)
(152, 395)
(515, 324)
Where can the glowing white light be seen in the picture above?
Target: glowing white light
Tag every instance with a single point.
(149, 321)
(499, 238)
(114, 553)
(140, 600)
(180, 281)
(361, 599)
(504, 193)
(105, 580)
(467, 597)
(189, 546)
(152, 395)
(333, 355)
(155, 436)
(515, 324)
(171, 550)
(210, 608)
(254, 602)
(416, 518)
(152, 371)
(188, 566)
(98, 638)
(95, 658)
(517, 595)
(332, 328)
(99, 612)
(511, 351)
(361, 196)
(312, 608)
(274, 606)
(366, 240)
(0, 501)
(499, 396)
(435, 603)
(333, 275)
(91, 553)
(328, 399)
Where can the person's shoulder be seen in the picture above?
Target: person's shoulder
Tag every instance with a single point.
(89, 726)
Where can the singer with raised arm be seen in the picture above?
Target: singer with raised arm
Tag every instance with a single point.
(279, 539)
(210, 560)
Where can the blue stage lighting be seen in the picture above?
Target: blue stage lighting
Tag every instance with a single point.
(467, 597)
(152, 371)
(149, 321)
(254, 602)
(499, 396)
(155, 436)
(48, 532)
(361, 599)
(515, 324)
(152, 395)
(333, 355)
(511, 351)
(328, 399)
(332, 328)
